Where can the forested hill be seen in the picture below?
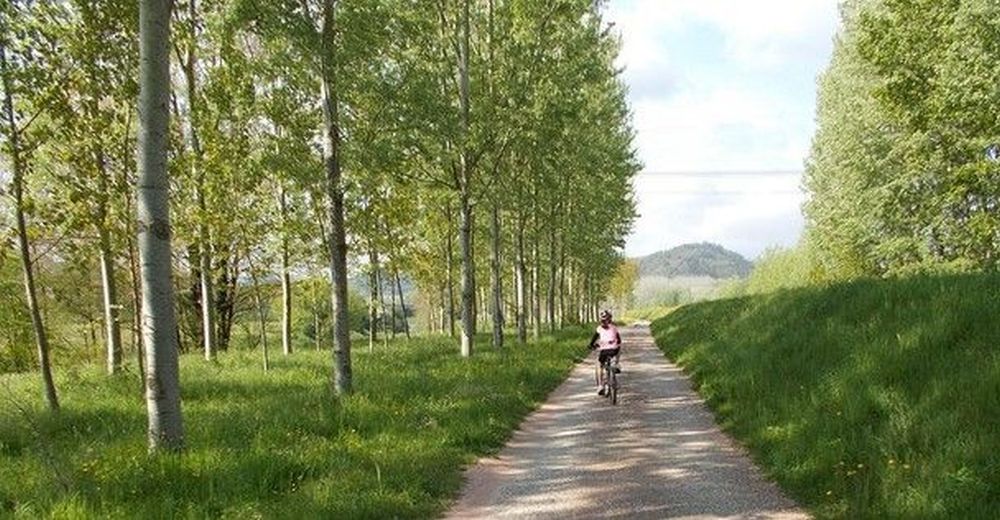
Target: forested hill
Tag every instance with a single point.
(704, 259)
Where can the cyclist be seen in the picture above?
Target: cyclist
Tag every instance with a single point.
(608, 342)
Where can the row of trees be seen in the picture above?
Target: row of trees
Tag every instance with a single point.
(480, 147)
(898, 177)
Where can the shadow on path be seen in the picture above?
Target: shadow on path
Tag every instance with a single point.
(658, 454)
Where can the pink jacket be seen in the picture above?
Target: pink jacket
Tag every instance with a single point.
(607, 338)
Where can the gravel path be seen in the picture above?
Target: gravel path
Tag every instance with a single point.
(658, 454)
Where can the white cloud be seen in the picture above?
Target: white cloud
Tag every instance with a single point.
(721, 85)
(757, 32)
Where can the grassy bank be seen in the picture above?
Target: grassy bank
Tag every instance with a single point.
(874, 399)
(276, 445)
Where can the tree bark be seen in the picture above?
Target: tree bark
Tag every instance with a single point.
(225, 299)
(113, 338)
(536, 293)
(522, 274)
(562, 284)
(551, 295)
(392, 307)
(261, 315)
(402, 303)
(465, 187)
(372, 297)
(137, 338)
(163, 400)
(112, 308)
(335, 192)
(379, 273)
(286, 282)
(449, 265)
(497, 281)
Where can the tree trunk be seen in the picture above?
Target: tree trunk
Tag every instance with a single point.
(562, 283)
(286, 282)
(465, 188)
(335, 192)
(113, 337)
(392, 307)
(497, 281)
(112, 327)
(137, 338)
(468, 279)
(381, 300)
(159, 325)
(522, 274)
(402, 304)
(536, 300)
(197, 172)
(225, 300)
(372, 297)
(449, 265)
(551, 296)
(17, 186)
(261, 315)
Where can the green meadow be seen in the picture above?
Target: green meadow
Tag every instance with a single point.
(275, 444)
(870, 399)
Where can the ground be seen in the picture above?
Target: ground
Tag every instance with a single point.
(658, 454)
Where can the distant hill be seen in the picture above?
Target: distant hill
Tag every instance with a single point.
(703, 259)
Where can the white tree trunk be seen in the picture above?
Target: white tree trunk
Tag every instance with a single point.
(465, 174)
(112, 327)
(286, 283)
(522, 275)
(163, 400)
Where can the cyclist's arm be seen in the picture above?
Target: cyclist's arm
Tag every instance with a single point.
(618, 339)
(593, 340)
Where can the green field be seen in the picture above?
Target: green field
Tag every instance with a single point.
(275, 444)
(872, 399)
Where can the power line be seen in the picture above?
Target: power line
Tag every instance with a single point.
(734, 173)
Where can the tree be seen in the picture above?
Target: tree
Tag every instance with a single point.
(19, 71)
(163, 400)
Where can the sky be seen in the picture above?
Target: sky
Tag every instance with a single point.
(723, 104)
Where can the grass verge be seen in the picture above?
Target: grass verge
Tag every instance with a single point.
(873, 399)
(276, 444)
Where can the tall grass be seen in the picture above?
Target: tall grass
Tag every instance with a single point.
(276, 444)
(872, 399)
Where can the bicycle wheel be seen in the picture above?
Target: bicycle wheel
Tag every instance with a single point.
(613, 386)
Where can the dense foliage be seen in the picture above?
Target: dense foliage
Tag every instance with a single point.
(899, 178)
(540, 137)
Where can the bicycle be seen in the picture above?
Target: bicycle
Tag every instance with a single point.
(610, 368)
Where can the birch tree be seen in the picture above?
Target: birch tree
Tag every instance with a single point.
(163, 401)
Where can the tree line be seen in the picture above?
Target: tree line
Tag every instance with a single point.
(480, 147)
(903, 176)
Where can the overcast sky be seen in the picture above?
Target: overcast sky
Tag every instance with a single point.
(723, 100)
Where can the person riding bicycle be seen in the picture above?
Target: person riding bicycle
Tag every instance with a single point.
(608, 342)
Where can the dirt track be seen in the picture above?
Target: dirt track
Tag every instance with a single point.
(658, 454)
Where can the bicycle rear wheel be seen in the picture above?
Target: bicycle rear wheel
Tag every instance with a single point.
(612, 385)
